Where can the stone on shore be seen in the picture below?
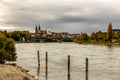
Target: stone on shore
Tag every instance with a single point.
(8, 72)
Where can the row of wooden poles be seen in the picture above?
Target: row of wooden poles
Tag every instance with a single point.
(68, 64)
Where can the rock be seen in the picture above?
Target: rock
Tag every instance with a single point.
(25, 78)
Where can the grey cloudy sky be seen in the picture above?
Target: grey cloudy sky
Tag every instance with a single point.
(73, 16)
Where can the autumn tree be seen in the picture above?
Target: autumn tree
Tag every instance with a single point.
(93, 36)
(109, 32)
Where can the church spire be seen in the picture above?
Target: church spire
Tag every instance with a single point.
(39, 28)
(36, 31)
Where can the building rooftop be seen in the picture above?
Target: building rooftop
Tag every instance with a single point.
(116, 29)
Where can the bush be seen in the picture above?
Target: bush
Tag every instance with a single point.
(7, 49)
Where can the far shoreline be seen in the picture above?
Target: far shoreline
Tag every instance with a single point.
(87, 43)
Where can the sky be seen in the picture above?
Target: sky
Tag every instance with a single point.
(73, 16)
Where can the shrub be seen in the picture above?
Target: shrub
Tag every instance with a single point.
(7, 49)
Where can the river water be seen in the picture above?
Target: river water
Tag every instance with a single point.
(104, 61)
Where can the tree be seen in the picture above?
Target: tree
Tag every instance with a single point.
(16, 35)
(92, 36)
(109, 32)
(85, 37)
(77, 39)
(7, 49)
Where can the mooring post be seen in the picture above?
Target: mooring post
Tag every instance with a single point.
(86, 72)
(38, 58)
(68, 67)
(38, 69)
(46, 63)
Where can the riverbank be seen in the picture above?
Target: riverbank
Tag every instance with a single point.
(9, 72)
(104, 43)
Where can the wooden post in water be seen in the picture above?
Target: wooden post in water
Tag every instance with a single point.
(86, 72)
(68, 67)
(38, 58)
(46, 63)
(38, 70)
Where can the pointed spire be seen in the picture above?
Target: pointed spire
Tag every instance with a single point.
(36, 29)
(39, 28)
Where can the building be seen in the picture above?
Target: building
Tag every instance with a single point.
(116, 33)
(40, 32)
(76, 35)
(116, 30)
(27, 33)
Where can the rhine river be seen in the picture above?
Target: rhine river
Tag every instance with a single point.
(104, 61)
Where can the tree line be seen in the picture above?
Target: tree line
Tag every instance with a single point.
(99, 37)
(16, 35)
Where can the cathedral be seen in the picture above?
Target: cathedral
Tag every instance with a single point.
(39, 32)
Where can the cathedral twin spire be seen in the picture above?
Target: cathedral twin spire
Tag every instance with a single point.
(37, 29)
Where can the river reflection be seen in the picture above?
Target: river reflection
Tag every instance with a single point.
(103, 60)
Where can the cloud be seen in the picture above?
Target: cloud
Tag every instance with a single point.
(73, 16)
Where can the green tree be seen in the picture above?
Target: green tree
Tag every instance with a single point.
(7, 49)
(109, 32)
(85, 37)
(16, 35)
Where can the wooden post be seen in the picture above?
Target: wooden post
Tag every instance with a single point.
(38, 70)
(68, 67)
(86, 72)
(46, 63)
(38, 58)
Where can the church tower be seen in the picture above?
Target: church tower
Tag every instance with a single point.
(36, 30)
(39, 28)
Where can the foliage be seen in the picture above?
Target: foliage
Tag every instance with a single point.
(94, 38)
(100, 37)
(7, 49)
(16, 35)
(82, 38)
